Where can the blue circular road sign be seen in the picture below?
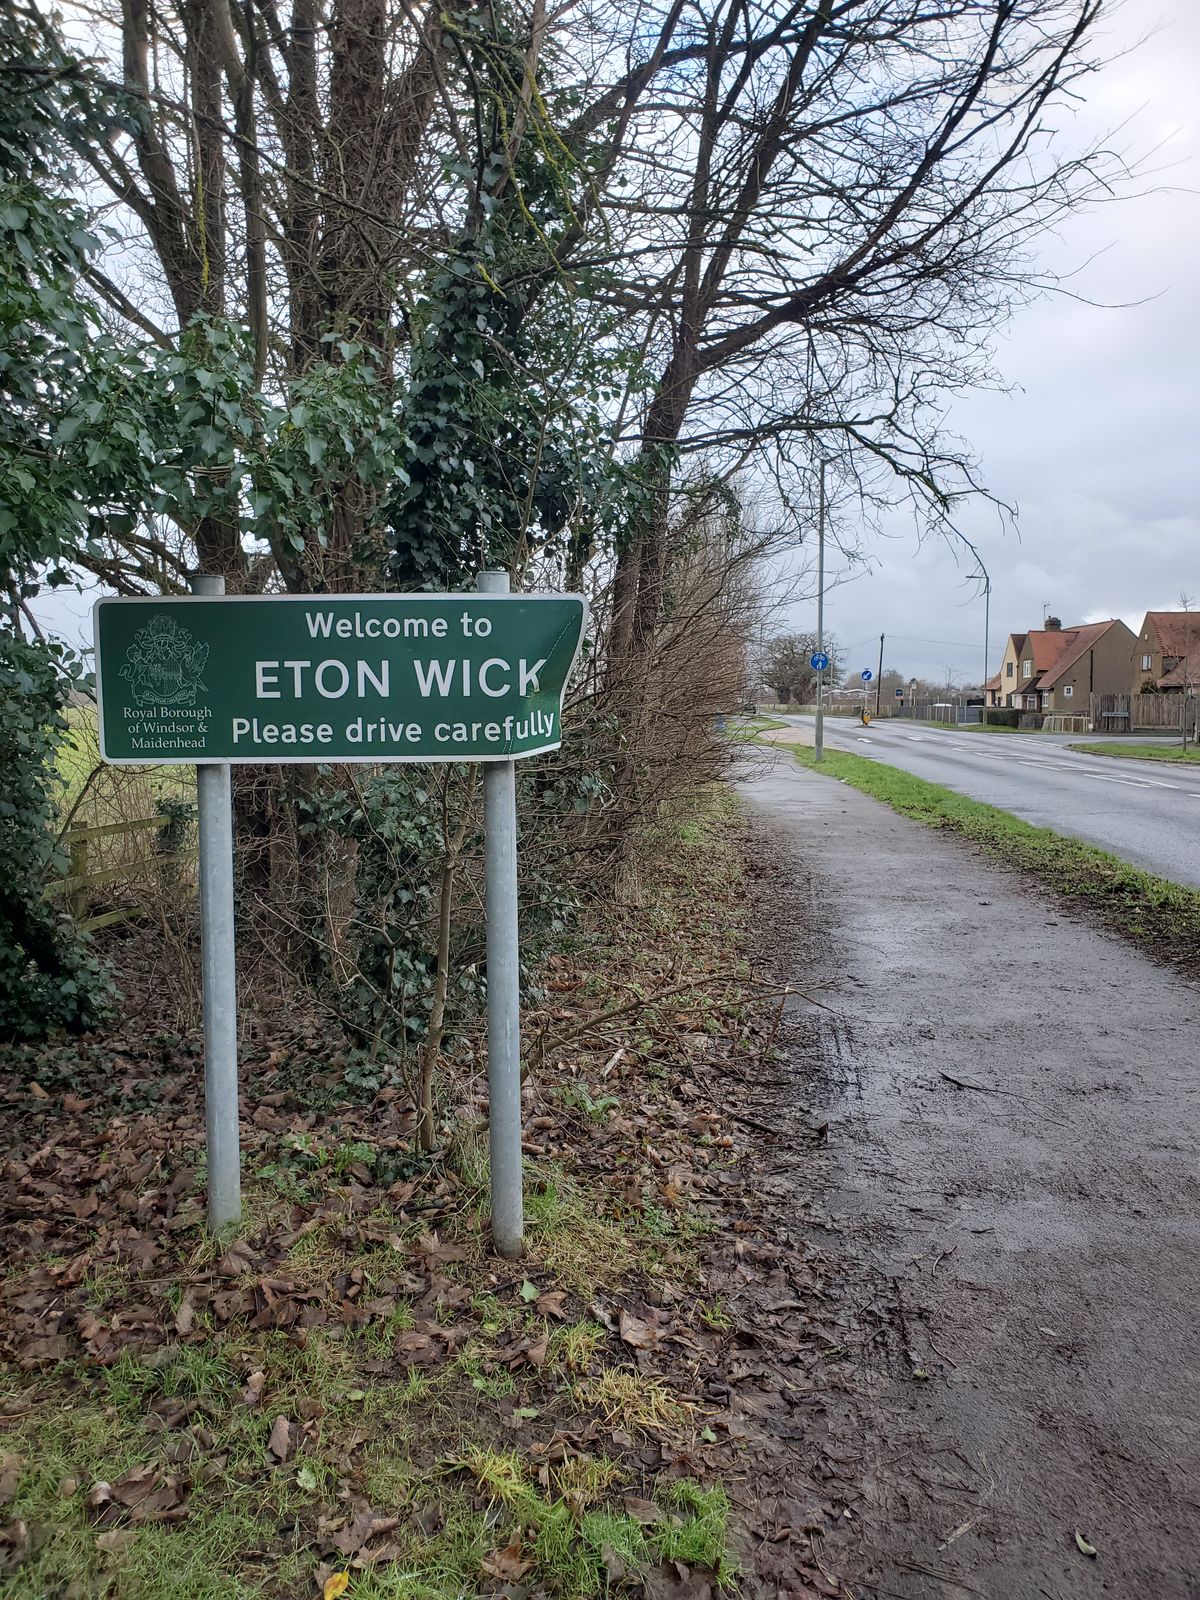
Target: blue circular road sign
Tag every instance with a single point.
(818, 661)
(867, 675)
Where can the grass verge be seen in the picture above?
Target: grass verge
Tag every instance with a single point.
(1160, 916)
(355, 1385)
(1143, 752)
(745, 729)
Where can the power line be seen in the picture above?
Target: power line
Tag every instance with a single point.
(912, 638)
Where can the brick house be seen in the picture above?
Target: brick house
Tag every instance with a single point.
(1009, 684)
(1059, 669)
(1166, 653)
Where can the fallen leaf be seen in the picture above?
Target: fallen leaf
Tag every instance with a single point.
(640, 1335)
(146, 1493)
(252, 1393)
(671, 1580)
(306, 1479)
(185, 1317)
(37, 1091)
(335, 1586)
(643, 1511)
(10, 1476)
(280, 1441)
(614, 1566)
(116, 1542)
(14, 1547)
(1084, 1547)
(551, 1304)
(507, 1564)
(236, 1261)
(528, 1291)
(418, 1348)
(368, 1525)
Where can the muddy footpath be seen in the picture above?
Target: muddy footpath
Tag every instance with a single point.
(981, 1131)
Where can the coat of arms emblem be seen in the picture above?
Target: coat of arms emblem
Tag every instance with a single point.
(164, 664)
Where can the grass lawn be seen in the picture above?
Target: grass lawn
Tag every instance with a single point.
(1161, 916)
(1164, 750)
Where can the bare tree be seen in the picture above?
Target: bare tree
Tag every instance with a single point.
(785, 665)
(828, 208)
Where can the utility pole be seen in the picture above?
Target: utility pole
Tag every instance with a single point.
(987, 623)
(879, 679)
(1185, 600)
(819, 739)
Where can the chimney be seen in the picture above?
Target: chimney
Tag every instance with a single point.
(1053, 624)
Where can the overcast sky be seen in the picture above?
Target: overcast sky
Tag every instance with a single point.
(1098, 445)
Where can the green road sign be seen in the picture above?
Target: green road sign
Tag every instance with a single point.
(285, 678)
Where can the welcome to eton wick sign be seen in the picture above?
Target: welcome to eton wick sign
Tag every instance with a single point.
(367, 678)
(210, 680)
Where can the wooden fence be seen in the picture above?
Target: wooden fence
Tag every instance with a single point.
(1133, 713)
(84, 875)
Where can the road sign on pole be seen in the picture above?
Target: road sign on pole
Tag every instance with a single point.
(818, 661)
(212, 680)
(313, 678)
(867, 675)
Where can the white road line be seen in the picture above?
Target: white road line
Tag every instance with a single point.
(1130, 783)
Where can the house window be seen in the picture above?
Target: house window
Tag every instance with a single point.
(1147, 663)
(1068, 690)
(1008, 671)
(1027, 669)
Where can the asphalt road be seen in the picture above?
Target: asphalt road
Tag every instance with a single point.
(1008, 1114)
(1149, 815)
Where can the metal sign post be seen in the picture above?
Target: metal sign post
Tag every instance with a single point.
(212, 680)
(214, 804)
(503, 990)
(819, 735)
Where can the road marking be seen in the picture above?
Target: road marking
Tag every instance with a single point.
(1130, 783)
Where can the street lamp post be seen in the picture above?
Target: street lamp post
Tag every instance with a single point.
(987, 623)
(819, 739)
